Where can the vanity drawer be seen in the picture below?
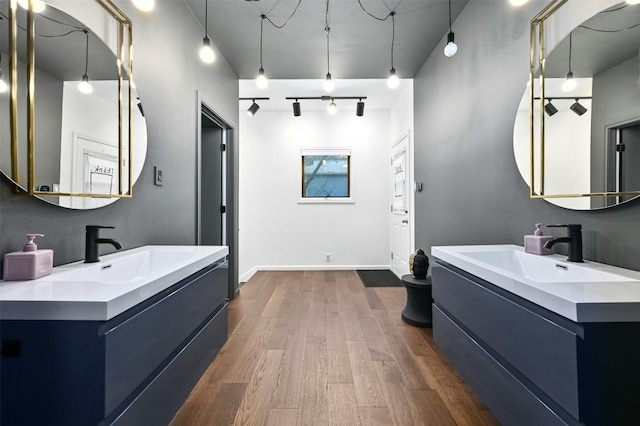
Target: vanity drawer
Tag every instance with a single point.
(545, 353)
(134, 348)
(508, 399)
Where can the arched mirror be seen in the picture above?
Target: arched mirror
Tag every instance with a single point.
(578, 145)
(79, 138)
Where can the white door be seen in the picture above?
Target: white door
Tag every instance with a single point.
(401, 202)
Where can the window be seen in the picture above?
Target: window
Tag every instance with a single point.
(326, 175)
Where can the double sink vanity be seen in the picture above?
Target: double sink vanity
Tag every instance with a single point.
(120, 341)
(541, 340)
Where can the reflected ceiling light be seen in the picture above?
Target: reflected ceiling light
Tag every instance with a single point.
(569, 84)
(261, 80)
(3, 84)
(84, 86)
(144, 5)
(393, 81)
(253, 109)
(518, 2)
(38, 5)
(578, 108)
(451, 48)
(207, 55)
(550, 109)
(328, 82)
(296, 109)
(360, 108)
(633, 1)
(333, 108)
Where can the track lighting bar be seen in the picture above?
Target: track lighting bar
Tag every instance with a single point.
(254, 106)
(332, 106)
(321, 98)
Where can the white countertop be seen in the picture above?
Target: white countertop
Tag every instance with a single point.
(77, 291)
(578, 301)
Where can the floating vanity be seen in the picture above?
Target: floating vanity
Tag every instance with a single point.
(121, 341)
(541, 340)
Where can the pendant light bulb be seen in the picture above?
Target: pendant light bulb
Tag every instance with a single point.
(261, 81)
(38, 5)
(517, 3)
(3, 84)
(569, 84)
(207, 55)
(329, 85)
(451, 48)
(144, 5)
(333, 108)
(84, 86)
(393, 81)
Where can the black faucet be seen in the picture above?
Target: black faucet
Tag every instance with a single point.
(93, 240)
(574, 239)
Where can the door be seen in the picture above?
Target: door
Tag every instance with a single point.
(628, 154)
(401, 202)
(212, 203)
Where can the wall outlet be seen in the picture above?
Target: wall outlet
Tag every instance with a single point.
(328, 257)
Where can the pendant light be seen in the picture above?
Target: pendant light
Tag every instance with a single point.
(328, 82)
(393, 80)
(84, 86)
(518, 2)
(633, 1)
(144, 5)
(261, 81)
(451, 48)
(207, 55)
(569, 84)
(38, 5)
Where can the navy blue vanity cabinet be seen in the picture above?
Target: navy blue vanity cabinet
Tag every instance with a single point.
(135, 369)
(532, 366)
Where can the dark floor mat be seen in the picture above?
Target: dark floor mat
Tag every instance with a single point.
(379, 278)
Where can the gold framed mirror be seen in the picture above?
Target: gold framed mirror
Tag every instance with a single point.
(54, 50)
(583, 142)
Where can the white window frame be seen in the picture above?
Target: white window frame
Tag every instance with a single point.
(328, 200)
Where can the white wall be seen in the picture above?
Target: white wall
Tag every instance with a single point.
(276, 232)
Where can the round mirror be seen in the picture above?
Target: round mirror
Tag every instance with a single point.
(76, 109)
(592, 129)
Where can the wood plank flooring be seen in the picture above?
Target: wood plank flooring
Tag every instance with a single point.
(318, 348)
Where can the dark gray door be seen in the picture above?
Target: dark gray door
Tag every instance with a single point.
(629, 172)
(211, 181)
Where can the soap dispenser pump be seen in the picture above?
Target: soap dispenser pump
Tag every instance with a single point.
(28, 264)
(535, 243)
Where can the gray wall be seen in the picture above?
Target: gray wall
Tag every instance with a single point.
(465, 109)
(168, 76)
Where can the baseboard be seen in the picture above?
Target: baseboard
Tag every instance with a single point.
(329, 267)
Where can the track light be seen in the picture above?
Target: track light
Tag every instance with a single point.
(550, 109)
(296, 109)
(207, 55)
(144, 5)
(578, 108)
(253, 109)
(333, 108)
(360, 108)
(84, 86)
(451, 48)
(261, 81)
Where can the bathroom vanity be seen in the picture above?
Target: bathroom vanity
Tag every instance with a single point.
(122, 341)
(542, 341)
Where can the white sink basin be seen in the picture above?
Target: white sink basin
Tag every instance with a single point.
(542, 269)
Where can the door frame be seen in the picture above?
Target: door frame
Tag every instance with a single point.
(229, 191)
(410, 196)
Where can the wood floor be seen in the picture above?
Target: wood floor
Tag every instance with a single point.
(317, 348)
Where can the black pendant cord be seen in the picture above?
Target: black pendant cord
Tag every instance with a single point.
(328, 30)
(393, 34)
(261, 29)
(86, 56)
(374, 16)
(287, 20)
(206, 18)
(570, 49)
(450, 16)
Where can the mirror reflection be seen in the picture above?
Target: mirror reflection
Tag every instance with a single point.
(76, 144)
(591, 115)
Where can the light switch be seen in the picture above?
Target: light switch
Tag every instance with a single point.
(158, 176)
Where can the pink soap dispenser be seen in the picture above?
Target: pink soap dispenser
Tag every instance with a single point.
(28, 264)
(535, 243)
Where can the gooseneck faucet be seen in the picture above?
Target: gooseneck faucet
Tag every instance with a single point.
(574, 239)
(93, 240)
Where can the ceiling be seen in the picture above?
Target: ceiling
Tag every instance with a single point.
(360, 46)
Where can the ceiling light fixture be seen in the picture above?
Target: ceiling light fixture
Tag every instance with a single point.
(84, 86)
(144, 5)
(207, 55)
(296, 109)
(569, 84)
(578, 108)
(451, 48)
(333, 108)
(633, 1)
(550, 109)
(38, 5)
(360, 108)
(328, 82)
(518, 2)
(254, 107)
(261, 80)
(393, 81)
